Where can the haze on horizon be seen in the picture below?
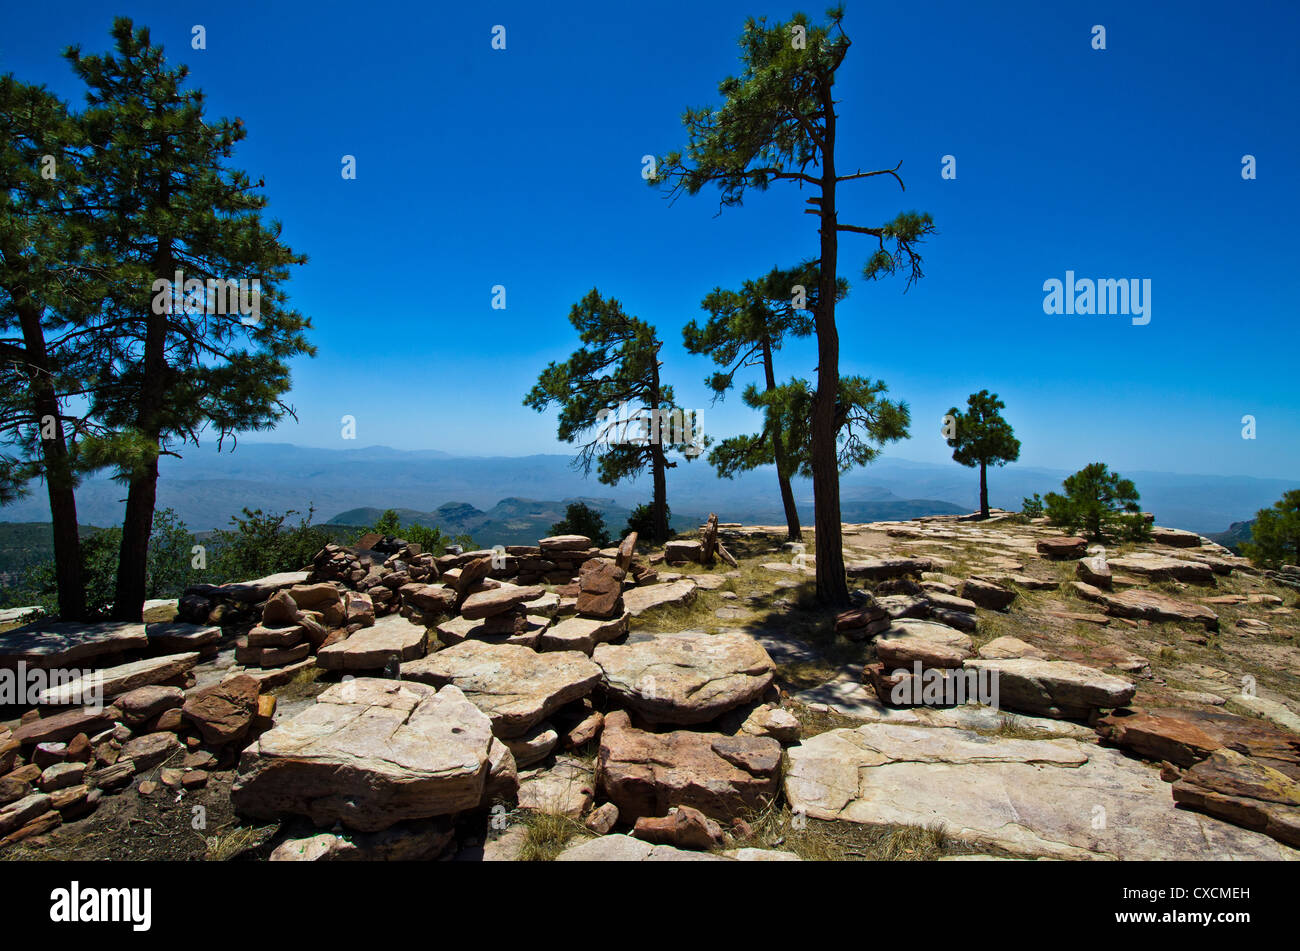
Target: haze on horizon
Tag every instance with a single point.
(1122, 163)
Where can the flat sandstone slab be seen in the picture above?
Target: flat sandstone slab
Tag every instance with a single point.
(687, 677)
(1058, 798)
(637, 601)
(515, 686)
(1054, 688)
(372, 647)
(369, 753)
(118, 680)
(63, 643)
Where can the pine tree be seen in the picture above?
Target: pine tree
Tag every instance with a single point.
(183, 360)
(1097, 502)
(981, 437)
(744, 329)
(610, 394)
(863, 417)
(49, 293)
(778, 124)
(582, 519)
(1275, 536)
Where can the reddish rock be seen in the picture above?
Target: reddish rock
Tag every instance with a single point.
(1065, 546)
(1158, 738)
(1245, 792)
(144, 702)
(683, 828)
(495, 601)
(600, 589)
(79, 749)
(645, 774)
(64, 726)
(986, 594)
(280, 610)
(223, 713)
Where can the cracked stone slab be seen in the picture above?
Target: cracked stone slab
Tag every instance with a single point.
(1058, 798)
(369, 753)
(515, 686)
(687, 677)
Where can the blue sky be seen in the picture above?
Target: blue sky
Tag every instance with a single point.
(522, 168)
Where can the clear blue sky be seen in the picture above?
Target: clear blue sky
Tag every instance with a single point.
(522, 167)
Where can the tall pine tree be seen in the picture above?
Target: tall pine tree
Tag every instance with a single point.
(745, 328)
(167, 203)
(778, 124)
(611, 398)
(50, 290)
(981, 437)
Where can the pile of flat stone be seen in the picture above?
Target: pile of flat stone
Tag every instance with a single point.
(236, 604)
(297, 622)
(154, 725)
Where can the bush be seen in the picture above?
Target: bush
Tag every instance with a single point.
(581, 519)
(167, 572)
(642, 520)
(261, 544)
(1031, 507)
(431, 538)
(1097, 502)
(1275, 536)
(387, 523)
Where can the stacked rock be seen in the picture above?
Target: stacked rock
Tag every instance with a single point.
(300, 621)
(864, 621)
(58, 766)
(338, 564)
(568, 553)
(920, 663)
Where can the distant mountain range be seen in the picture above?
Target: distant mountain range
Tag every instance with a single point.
(207, 488)
(1237, 533)
(516, 521)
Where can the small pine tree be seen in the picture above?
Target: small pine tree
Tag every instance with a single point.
(1031, 506)
(582, 519)
(1275, 536)
(1097, 502)
(983, 438)
(388, 523)
(618, 365)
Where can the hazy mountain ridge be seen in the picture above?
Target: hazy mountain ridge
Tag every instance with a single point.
(206, 489)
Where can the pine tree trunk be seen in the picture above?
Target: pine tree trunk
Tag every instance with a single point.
(832, 587)
(794, 532)
(58, 471)
(142, 491)
(661, 495)
(657, 462)
(133, 558)
(984, 491)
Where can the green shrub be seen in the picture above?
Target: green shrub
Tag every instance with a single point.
(642, 520)
(430, 538)
(262, 544)
(1275, 536)
(1031, 507)
(581, 519)
(1097, 502)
